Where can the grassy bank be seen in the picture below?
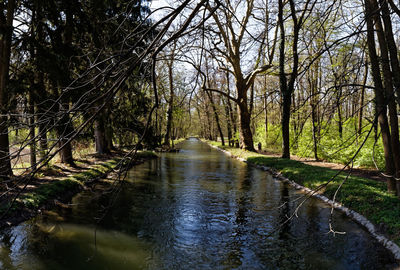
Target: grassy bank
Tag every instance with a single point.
(60, 188)
(178, 141)
(368, 197)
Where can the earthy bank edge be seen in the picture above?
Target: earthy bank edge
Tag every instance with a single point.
(355, 216)
(59, 191)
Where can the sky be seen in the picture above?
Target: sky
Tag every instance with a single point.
(155, 4)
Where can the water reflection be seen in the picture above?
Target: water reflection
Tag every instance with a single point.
(196, 209)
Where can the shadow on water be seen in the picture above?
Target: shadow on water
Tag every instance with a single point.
(196, 209)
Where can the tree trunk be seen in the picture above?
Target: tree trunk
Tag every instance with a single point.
(314, 119)
(313, 78)
(170, 105)
(6, 30)
(251, 110)
(286, 99)
(202, 124)
(32, 144)
(109, 132)
(287, 86)
(293, 116)
(389, 93)
(246, 136)
(66, 148)
(216, 117)
(286, 104)
(231, 111)
(65, 131)
(266, 117)
(109, 136)
(210, 133)
(42, 118)
(245, 129)
(395, 87)
(228, 122)
(381, 108)
(361, 102)
(40, 92)
(391, 44)
(100, 134)
(339, 110)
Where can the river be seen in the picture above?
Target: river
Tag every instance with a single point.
(196, 209)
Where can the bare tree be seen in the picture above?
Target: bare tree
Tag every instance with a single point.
(231, 31)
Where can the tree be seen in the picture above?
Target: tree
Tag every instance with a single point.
(287, 86)
(6, 31)
(383, 93)
(233, 41)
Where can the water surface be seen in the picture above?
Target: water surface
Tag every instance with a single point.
(196, 209)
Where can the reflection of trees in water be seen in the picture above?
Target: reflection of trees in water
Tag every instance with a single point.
(239, 233)
(288, 255)
(6, 260)
(284, 222)
(312, 220)
(169, 165)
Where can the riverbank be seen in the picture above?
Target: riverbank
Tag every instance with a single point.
(367, 197)
(57, 184)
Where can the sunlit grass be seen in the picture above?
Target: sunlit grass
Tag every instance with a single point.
(177, 141)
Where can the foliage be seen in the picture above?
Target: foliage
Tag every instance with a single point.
(332, 147)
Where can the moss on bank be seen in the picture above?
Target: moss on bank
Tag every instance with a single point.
(368, 197)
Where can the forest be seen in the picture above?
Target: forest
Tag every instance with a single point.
(112, 79)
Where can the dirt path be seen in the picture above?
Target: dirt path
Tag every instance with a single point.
(365, 173)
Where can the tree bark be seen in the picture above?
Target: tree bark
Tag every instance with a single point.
(228, 122)
(216, 116)
(6, 29)
(313, 103)
(100, 134)
(32, 137)
(287, 86)
(381, 107)
(389, 92)
(391, 44)
(361, 102)
(246, 136)
(210, 133)
(285, 94)
(266, 117)
(231, 111)
(42, 117)
(65, 130)
(339, 110)
(167, 137)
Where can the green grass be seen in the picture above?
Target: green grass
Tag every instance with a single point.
(58, 187)
(177, 141)
(368, 197)
(45, 192)
(146, 154)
